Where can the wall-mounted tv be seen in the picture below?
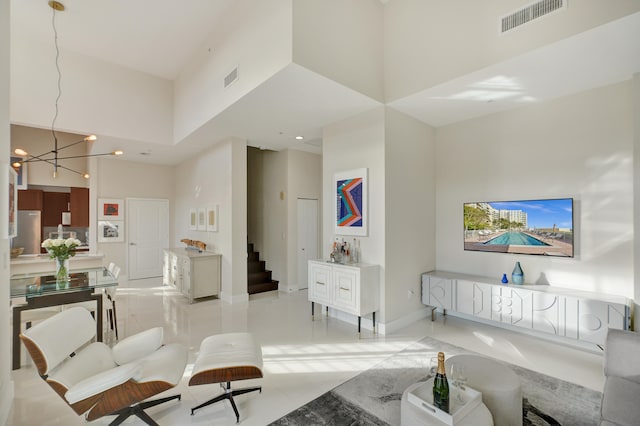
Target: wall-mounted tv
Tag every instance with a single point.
(541, 227)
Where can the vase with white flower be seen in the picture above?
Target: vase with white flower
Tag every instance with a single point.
(61, 250)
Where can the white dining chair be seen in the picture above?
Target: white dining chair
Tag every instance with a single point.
(110, 292)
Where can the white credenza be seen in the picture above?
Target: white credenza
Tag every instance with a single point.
(350, 288)
(579, 316)
(195, 274)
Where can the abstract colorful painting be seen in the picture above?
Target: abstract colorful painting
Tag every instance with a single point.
(351, 202)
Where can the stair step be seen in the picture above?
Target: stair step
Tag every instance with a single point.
(259, 277)
(250, 248)
(254, 255)
(262, 287)
(256, 266)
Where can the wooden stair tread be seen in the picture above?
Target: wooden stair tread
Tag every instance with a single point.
(258, 277)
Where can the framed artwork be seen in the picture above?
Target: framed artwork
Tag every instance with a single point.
(351, 202)
(21, 171)
(193, 219)
(202, 219)
(110, 231)
(109, 209)
(212, 218)
(12, 226)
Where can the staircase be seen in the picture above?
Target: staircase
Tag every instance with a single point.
(259, 279)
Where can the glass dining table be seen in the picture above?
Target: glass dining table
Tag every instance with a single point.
(40, 290)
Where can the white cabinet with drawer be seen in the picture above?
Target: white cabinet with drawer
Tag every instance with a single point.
(353, 289)
(194, 274)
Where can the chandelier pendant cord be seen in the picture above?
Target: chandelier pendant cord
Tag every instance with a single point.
(55, 116)
(54, 161)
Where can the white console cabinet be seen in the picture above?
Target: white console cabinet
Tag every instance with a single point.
(352, 288)
(580, 316)
(195, 274)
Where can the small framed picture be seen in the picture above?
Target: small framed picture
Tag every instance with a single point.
(212, 218)
(202, 219)
(110, 231)
(193, 219)
(351, 215)
(110, 209)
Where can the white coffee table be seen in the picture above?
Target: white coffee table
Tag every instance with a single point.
(410, 415)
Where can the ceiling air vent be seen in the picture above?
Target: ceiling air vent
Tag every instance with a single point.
(529, 13)
(231, 77)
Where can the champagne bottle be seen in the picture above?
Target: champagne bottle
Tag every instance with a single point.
(441, 386)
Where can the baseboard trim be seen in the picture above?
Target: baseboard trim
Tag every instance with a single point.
(382, 328)
(404, 321)
(7, 393)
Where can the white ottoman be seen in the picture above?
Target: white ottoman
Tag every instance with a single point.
(500, 386)
(225, 358)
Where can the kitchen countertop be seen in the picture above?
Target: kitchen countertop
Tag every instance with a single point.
(33, 263)
(40, 258)
(182, 251)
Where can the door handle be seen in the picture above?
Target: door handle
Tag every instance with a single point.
(132, 244)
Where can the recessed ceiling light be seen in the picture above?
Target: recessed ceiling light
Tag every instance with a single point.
(299, 137)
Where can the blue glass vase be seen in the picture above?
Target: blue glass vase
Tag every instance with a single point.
(517, 276)
(504, 279)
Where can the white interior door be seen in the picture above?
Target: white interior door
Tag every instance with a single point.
(307, 237)
(148, 234)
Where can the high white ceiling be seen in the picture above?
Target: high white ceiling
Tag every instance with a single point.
(604, 55)
(161, 42)
(156, 37)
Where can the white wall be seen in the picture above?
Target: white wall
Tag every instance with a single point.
(255, 202)
(238, 292)
(636, 186)
(255, 36)
(432, 41)
(97, 97)
(358, 142)
(119, 179)
(39, 141)
(304, 177)
(410, 212)
(6, 384)
(275, 215)
(208, 179)
(579, 146)
(342, 40)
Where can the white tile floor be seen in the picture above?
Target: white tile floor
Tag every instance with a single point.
(302, 358)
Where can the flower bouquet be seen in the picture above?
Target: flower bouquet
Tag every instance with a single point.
(61, 250)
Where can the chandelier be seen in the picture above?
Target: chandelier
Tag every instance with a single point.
(53, 156)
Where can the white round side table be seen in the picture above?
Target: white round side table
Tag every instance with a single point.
(500, 386)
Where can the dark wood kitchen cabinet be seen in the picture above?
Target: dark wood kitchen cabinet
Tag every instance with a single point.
(79, 200)
(54, 203)
(30, 199)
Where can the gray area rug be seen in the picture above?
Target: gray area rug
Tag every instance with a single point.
(373, 396)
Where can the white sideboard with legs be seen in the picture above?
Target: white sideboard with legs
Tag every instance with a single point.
(567, 314)
(351, 288)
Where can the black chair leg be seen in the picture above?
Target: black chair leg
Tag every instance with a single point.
(228, 394)
(138, 411)
(114, 317)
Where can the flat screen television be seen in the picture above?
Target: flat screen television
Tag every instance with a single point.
(539, 227)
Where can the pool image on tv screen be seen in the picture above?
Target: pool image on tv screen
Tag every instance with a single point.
(540, 227)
